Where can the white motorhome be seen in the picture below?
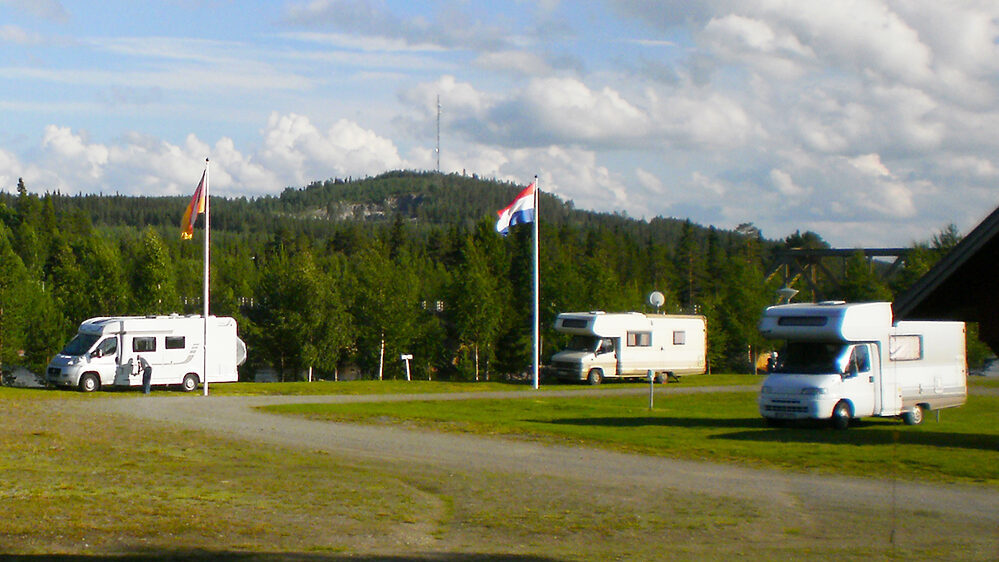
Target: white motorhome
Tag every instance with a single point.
(105, 352)
(846, 361)
(629, 345)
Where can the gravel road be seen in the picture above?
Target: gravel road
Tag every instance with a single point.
(238, 417)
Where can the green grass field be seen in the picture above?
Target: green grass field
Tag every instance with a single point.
(82, 485)
(982, 382)
(89, 485)
(724, 427)
(320, 388)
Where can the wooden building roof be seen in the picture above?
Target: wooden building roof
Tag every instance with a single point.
(963, 285)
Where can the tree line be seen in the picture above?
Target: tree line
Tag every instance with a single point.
(343, 276)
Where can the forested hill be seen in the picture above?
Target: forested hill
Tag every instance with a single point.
(425, 200)
(431, 199)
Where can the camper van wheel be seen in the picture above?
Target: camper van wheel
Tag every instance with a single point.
(594, 377)
(89, 382)
(913, 416)
(190, 382)
(841, 416)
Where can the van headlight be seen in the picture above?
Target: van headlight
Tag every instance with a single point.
(812, 391)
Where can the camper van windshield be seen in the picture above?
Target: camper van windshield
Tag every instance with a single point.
(583, 343)
(810, 358)
(80, 344)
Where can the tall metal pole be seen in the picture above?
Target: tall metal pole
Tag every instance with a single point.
(537, 285)
(204, 341)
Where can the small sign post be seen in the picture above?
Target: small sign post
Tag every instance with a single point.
(406, 357)
(652, 386)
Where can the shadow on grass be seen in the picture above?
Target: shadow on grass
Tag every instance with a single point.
(645, 421)
(204, 555)
(868, 436)
(861, 432)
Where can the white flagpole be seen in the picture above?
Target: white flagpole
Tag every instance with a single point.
(204, 345)
(537, 316)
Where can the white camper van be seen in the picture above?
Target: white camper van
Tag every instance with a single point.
(845, 361)
(629, 345)
(105, 352)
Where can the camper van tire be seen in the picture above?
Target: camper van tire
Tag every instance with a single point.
(913, 416)
(595, 377)
(89, 382)
(190, 382)
(841, 415)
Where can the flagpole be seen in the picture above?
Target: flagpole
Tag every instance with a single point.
(537, 316)
(204, 344)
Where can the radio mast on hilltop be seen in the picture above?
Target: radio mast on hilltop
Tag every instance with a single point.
(438, 149)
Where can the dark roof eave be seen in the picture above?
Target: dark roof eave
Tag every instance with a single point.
(909, 301)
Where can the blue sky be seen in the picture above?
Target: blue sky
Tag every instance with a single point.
(871, 122)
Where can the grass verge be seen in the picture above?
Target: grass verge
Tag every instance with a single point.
(724, 427)
(375, 387)
(81, 485)
(983, 382)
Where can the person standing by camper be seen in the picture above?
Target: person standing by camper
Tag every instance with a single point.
(147, 374)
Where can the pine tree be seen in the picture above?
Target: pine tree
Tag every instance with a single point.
(67, 283)
(861, 284)
(474, 302)
(153, 285)
(107, 289)
(689, 263)
(17, 290)
(301, 321)
(385, 307)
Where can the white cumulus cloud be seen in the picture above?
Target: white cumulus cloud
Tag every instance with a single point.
(296, 149)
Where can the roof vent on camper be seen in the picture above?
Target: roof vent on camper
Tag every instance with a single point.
(831, 303)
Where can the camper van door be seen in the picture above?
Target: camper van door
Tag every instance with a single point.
(103, 358)
(861, 379)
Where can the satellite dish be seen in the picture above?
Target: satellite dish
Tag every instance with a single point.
(656, 299)
(786, 294)
(240, 352)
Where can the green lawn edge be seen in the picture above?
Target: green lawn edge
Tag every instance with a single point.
(374, 387)
(395, 386)
(963, 446)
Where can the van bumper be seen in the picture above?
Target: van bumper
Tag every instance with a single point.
(566, 371)
(59, 376)
(789, 407)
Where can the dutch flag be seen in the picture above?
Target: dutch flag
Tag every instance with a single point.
(521, 211)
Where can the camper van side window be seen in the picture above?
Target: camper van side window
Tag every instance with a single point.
(639, 339)
(679, 338)
(144, 344)
(108, 347)
(862, 358)
(905, 348)
(174, 342)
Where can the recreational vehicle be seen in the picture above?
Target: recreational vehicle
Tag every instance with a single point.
(106, 352)
(629, 345)
(846, 361)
